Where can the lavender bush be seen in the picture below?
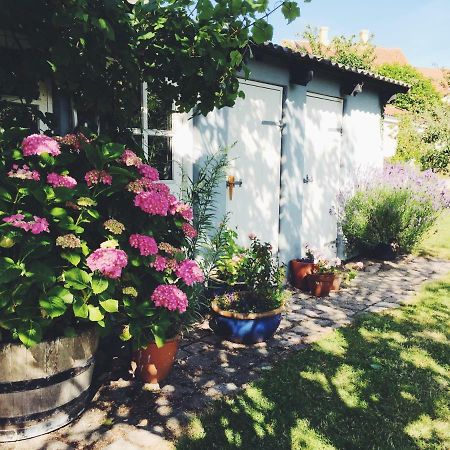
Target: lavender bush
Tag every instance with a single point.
(390, 213)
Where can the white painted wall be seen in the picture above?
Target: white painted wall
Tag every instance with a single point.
(390, 133)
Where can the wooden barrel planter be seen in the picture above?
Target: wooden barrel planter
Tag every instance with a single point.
(44, 387)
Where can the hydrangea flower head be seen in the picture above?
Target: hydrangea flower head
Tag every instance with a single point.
(170, 297)
(108, 261)
(61, 180)
(36, 226)
(98, 176)
(148, 172)
(146, 244)
(36, 144)
(159, 264)
(68, 241)
(155, 201)
(189, 230)
(24, 173)
(189, 271)
(114, 226)
(129, 158)
(181, 208)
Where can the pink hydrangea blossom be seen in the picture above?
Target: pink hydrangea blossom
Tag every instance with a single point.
(146, 244)
(189, 230)
(98, 176)
(129, 158)
(36, 144)
(108, 261)
(189, 271)
(159, 264)
(39, 225)
(148, 172)
(181, 208)
(155, 201)
(36, 226)
(24, 173)
(170, 297)
(61, 180)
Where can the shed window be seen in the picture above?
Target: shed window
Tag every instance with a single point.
(156, 131)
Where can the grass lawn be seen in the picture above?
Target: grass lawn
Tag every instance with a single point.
(382, 383)
(438, 241)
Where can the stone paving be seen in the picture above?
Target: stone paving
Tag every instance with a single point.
(127, 415)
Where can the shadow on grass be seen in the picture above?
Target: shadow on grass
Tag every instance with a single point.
(379, 384)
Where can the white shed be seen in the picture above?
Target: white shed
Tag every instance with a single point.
(305, 127)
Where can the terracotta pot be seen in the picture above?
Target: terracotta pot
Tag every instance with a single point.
(299, 273)
(320, 284)
(336, 283)
(153, 363)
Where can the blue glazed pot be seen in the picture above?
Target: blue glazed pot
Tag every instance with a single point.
(245, 328)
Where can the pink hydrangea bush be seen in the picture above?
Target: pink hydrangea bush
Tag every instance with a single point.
(110, 248)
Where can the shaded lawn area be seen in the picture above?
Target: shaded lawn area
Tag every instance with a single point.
(382, 383)
(437, 243)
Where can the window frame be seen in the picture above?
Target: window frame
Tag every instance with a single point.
(145, 132)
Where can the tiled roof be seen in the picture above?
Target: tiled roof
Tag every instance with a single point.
(389, 56)
(279, 50)
(439, 77)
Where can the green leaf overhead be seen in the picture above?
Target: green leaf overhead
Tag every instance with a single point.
(183, 51)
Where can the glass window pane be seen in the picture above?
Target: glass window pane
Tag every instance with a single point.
(160, 155)
(18, 115)
(159, 113)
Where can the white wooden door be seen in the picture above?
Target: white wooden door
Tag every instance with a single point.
(254, 127)
(322, 155)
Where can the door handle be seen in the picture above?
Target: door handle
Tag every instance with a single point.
(231, 183)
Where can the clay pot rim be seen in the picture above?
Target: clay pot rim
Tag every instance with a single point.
(245, 316)
(177, 337)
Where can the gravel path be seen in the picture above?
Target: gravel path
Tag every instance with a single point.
(126, 415)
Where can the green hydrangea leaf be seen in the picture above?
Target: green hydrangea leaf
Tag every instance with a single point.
(77, 279)
(110, 305)
(95, 315)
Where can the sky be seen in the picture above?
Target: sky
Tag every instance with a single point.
(421, 28)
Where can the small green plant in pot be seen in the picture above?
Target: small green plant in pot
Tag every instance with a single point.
(227, 274)
(253, 313)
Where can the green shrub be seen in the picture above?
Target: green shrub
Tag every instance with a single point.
(385, 216)
(392, 212)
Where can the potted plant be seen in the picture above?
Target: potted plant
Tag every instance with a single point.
(253, 313)
(227, 275)
(90, 241)
(301, 268)
(327, 276)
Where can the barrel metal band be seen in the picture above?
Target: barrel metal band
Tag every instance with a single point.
(38, 383)
(72, 409)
